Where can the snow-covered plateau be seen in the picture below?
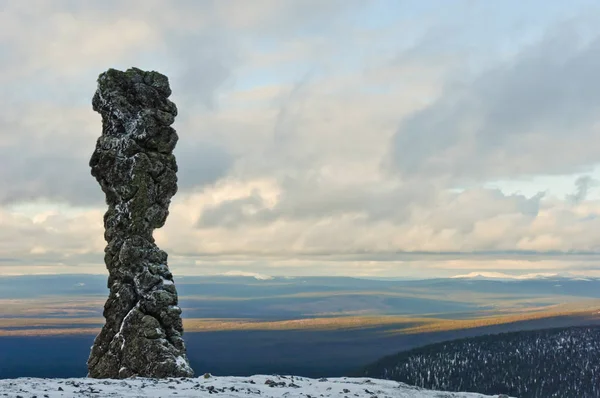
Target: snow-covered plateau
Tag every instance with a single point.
(254, 386)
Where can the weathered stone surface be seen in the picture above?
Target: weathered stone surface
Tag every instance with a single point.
(135, 166)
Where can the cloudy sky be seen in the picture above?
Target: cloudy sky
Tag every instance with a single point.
(338, 137)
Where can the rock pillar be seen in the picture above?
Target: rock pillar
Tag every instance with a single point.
(134, 164)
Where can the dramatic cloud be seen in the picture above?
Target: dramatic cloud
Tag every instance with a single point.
(365, 138)
(582, 187)
(532, 114)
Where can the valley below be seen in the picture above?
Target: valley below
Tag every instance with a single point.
(313, 327)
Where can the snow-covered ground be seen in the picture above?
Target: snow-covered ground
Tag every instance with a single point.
(254, 386)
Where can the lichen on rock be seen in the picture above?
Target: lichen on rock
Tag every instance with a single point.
(134, 164)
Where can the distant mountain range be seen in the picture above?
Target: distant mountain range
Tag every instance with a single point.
(503, 276)
(533, 364)
(254, 296)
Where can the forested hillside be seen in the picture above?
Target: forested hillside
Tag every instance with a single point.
(545, 363)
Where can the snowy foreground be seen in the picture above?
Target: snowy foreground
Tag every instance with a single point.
(254, 386)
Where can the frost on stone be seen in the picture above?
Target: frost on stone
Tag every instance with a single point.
(134, 164)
